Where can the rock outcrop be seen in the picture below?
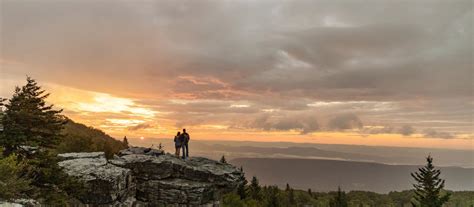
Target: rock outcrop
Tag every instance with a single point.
(150, 177)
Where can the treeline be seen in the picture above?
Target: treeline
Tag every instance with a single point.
(81, 138)
(428, 192)
(32, 133)
(273, 196)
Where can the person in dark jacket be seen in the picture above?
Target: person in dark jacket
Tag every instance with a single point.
(177, 143)
(184, 143)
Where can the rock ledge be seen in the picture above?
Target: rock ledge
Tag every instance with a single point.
(149, 177)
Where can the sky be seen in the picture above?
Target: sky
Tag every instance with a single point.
(372, 72)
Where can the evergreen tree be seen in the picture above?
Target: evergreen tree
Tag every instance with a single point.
(28, 120)
(241, 190)
(223, 160)
(429, 186)
(254, 189)
(291, 197)
(340, 200)
(310, 192)
(2, 100)
(291, 194)
(272, 199)
(125, 141)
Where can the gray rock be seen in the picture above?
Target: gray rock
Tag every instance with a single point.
(175, 191)
(104, 183)
(19, 203)
(151, 178)
(79, 155)
(141, 151)
(168, 166)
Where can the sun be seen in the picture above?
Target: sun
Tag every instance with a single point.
(142, 138)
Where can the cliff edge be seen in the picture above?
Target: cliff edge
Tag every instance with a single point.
(147, 177)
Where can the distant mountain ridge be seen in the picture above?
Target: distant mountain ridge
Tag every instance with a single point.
(327, 175)
(378, 154)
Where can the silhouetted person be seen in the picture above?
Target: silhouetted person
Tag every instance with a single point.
(177, 143)
(185, 140)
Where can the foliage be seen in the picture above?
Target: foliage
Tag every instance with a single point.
(241, 189)
(254, 189)
(273, 196)
(51, 185)
(28, 120)
(223, 160)
(339, 200)
(12, 184)
(429, 186)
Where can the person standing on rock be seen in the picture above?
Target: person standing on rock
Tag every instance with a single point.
(177, 143)
(185, 140)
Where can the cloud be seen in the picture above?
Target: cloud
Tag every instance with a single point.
(139, 127)
(432, 133)
(379, 130)
(300, 58)
(303, 123)
(406, 130)
(345, 122)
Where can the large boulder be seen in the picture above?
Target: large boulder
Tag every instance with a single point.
(151, 178)
(104, 183)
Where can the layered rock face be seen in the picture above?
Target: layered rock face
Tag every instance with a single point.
(151, 178)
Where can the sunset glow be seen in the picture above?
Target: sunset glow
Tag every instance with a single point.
(341, 76)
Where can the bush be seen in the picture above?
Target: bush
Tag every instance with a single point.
(12, 184)
(232, 200)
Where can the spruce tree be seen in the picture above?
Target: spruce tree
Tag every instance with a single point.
(272, 199)
(223, 160)
(241, 191)
(340, 200)
(429, 186)
(2, 100)
(291, 197)
(28, 120)
(254, 189)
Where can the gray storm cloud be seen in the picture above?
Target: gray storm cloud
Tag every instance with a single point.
(303, 123)
(344, 122)
(272, 55)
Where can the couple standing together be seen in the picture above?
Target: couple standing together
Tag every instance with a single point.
(181, 140)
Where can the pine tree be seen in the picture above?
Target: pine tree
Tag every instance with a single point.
(429, 186)
(291, 197)
(2, 100)
(254, 189)
(223, 160)
(28, 120)
(125, 141)
(272, 196)
(340, 200)
(310, 192)
(241, 191)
